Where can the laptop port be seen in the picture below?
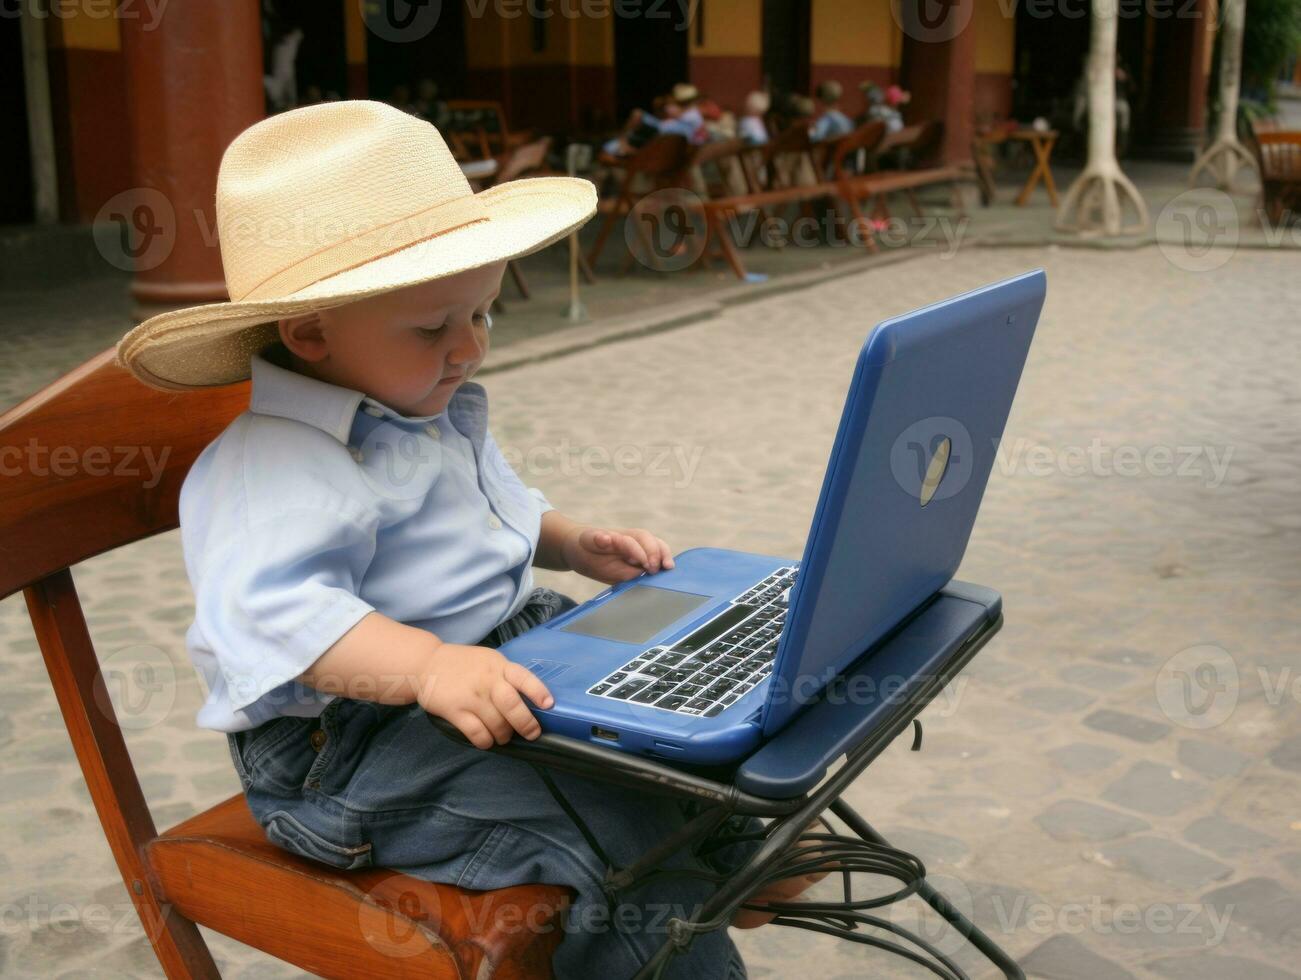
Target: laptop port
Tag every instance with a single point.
(605, 733)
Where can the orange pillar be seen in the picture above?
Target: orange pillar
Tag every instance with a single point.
(194, 82)
(940, 67)
(354, 34)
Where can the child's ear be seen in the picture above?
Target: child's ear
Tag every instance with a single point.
(304, 336)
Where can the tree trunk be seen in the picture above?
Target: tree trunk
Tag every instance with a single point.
(1226, 153)
(1095, 203)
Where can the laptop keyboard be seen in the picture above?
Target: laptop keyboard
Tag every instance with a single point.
(709, 669)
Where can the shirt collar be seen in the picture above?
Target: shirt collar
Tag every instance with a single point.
(333, 408)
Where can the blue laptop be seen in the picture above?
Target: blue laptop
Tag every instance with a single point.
(701, 663)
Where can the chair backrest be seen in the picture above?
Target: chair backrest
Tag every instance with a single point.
(483, 120)
(524, 160)
(866, 137)
(1279, 154)
(95, 461)
(918, 141)
(664, 157)
(92, 462)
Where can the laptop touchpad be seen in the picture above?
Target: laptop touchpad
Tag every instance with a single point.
(636, 614)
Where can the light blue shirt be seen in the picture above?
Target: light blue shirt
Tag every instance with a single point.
(829, 125)
(317, 506)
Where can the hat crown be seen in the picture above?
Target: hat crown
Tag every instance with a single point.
(360, 178)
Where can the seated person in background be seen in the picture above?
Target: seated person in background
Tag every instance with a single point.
(428, 106)
(830, 122)
(883, 104)
(684, 115)
(640, 129)
(752, 128)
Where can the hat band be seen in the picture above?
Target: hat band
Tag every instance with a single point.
(367, 246)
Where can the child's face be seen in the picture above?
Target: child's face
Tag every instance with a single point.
(410, 348)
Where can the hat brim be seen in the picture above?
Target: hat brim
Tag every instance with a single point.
(211, 345)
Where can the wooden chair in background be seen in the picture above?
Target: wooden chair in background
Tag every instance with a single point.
(217, 868)
(661, 163)
(1278, 154)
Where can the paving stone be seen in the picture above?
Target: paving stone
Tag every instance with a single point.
(1292, 863)
(1164, 862)
(1261, 904)
(1151, 788)
(1210, 966)
(1127, 726)
(1083, 757)
(1127, 658)
(1055, 699)
(1078, 820)
(1287, 755)
(1211, 760)
(1096, 677)
(1224, 837)
(927, 845)
(1066, 958)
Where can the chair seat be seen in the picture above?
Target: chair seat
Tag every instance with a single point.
(219, 869)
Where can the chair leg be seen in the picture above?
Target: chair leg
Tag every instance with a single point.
(518, 275)
(606, 227)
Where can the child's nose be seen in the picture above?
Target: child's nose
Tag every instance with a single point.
(466, 344)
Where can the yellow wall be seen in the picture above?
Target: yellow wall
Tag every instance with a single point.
(88, 25)
(732, 28)
(995, 38)
(854, 32)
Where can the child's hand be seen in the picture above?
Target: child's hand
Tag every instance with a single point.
(613, 555)
(478, 690)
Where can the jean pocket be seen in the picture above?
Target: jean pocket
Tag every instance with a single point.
(285, 830)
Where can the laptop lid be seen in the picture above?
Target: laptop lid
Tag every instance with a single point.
(927, 403)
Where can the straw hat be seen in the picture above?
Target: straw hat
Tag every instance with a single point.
(331, 203)
(757, 102)
(685, 92)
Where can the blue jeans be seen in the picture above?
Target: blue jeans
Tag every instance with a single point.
(385, 788)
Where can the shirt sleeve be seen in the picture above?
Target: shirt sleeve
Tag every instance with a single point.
(270, 601)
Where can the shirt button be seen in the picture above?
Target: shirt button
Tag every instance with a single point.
(432, 430)
(356, 454)
(374, 411)
(494, 522)
(318, 739)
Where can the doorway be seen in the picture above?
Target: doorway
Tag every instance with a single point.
(650, 53)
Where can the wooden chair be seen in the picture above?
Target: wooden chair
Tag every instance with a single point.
(480, 127)
(1278, 154)
(217, 868)
(663, 162)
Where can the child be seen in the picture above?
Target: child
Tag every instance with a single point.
(358, 545)
(831, 122)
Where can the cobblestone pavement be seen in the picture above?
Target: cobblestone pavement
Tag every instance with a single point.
(1114, 784)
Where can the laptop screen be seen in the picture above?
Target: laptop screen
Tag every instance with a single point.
(636, 614)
